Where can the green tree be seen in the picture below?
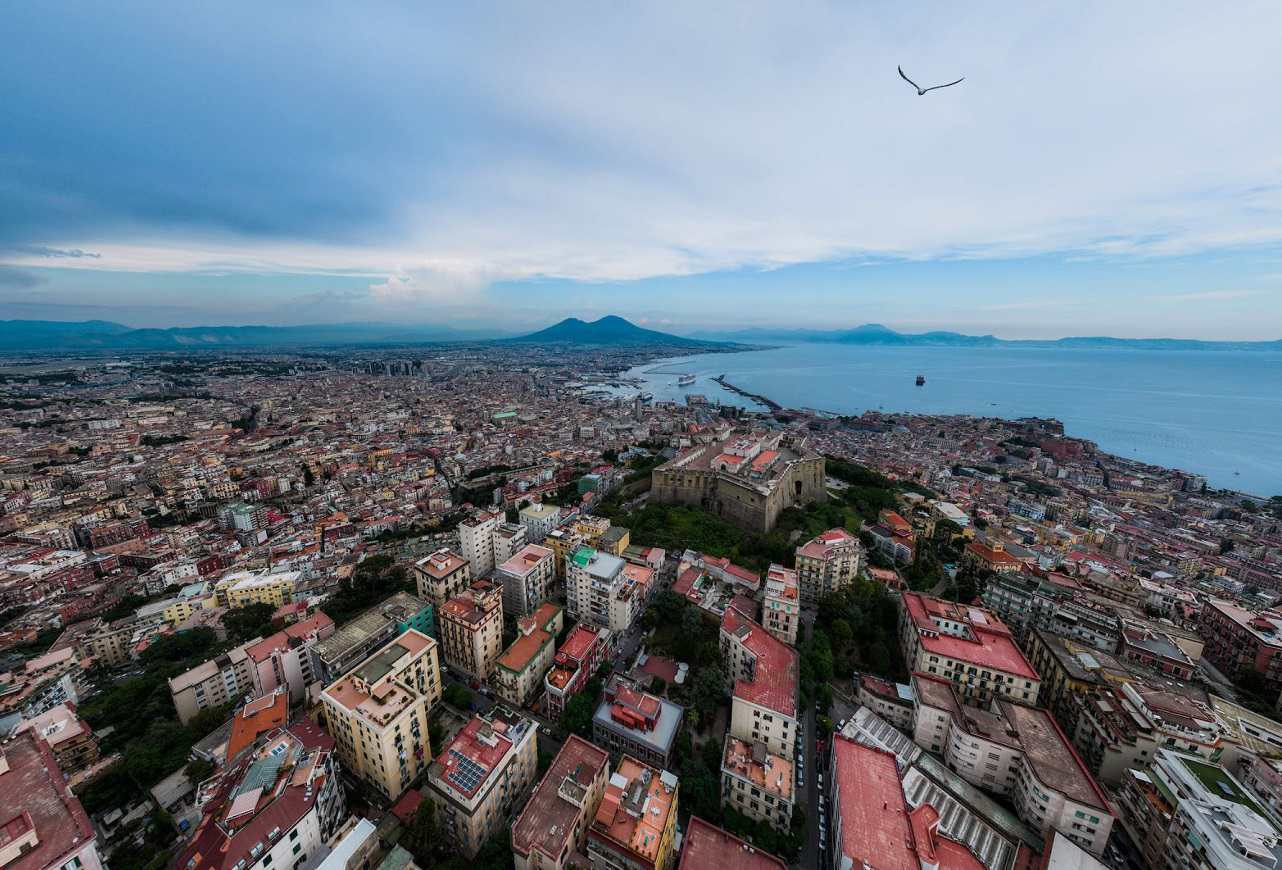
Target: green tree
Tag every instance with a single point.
(577, 717)
(245, 623)
(457, 696)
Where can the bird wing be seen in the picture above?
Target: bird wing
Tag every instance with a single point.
(905, 78)
(949, 85)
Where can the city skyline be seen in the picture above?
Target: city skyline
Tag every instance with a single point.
(1100, 171)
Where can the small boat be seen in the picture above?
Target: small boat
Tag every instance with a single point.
(921, 380)
(685, 380)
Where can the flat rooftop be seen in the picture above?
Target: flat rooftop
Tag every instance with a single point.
(547, 821)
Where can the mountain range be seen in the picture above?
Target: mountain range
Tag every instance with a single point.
(876, 334)
(92, 335)
(609, 330)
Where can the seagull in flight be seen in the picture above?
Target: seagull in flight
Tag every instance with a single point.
(921, 92)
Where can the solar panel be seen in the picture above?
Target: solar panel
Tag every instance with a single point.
(466, 774)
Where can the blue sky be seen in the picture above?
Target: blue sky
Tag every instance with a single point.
(1102, 170)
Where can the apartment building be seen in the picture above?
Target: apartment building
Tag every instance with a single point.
(42, 824)
(707, 847)
(111, 644)
(276, 808)
(286, 659)
(69, 737)
(226, 679)
(633, 722)
(605, 590)
(476, 540)
(378, 713)
(1121, 727)
(763, 673)
(526, 578)
(471, 627)
(1183, 812)
(1016, 751)
(827, 563)
(1238, 640)
(539, 520)
(441, 576)
(582, 652)
(891, 701)
(564, 543)
(518, 674)
(893, 536)
(781, 604)
(757, 783)
(552, 830)
(635, 826)
(243, 588)
(968, 645)
(509, 538)
(360, 636)
(481, 775)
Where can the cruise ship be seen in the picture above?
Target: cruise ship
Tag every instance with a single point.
(685, 380)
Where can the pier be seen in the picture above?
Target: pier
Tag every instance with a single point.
(759, 399)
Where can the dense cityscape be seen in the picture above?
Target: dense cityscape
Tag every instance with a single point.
(483, 605)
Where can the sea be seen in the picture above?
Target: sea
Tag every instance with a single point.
(1214, 413)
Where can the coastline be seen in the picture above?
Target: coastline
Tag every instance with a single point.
(1174, 412)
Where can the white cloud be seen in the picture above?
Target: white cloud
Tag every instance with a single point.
(625, 142)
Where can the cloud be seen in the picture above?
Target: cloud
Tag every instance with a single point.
(18, 278)
(57, 253)
(607, 144)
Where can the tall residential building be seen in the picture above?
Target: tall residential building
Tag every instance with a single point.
(828, 563)
(1016, 751)
(636, 723)
(564, 543)
(748, 479)
(69, 737)
(378, 713)
(441, 576)
(580, 655)
(42, 824)
(605, 590)
(482, 775)
(763, 672)
(968, 645)
(518, 674)
(476, 540)
(757, 783)
(1238, 640)
(707, 847)
(509, 538)
(1183, 812)
(226, 679)
(274, 808)
(635, 827)
(553, 826)
(286, 659)
(539, 520)
(352, 643)
(527, 578)
(781, 605)
(471, 627)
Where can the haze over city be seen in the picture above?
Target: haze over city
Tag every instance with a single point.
(1104, 168)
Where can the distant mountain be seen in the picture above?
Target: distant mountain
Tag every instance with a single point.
(608, 330)
(876, 334)
(90, 335)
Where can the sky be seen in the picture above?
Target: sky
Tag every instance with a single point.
(1104, 169)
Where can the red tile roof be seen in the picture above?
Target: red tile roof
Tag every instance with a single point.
(992, 646)
(774, 685)
(708, 847)
(255, 718)
(34, 790)
(468, 744)
(547, 821)
(875, 830)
